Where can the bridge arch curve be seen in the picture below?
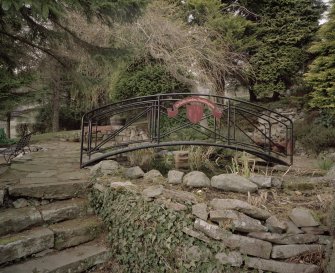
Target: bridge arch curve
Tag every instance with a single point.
(185, 119)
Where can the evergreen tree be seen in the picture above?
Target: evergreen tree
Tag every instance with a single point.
(321, 73)
(32, 30)
(283, 29)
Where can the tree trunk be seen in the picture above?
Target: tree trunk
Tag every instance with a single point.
(55, 109)
(8, 124)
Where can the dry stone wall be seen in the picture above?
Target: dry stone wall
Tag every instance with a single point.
(251, 236)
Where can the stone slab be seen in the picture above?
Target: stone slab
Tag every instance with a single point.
(15, 220)
(280, 267)
(74, 260)
(284, 239)
(24, 244)
(180, 196)
(249, 246)
(233, 182)
(303, 218)
(74, 232)
(244, 207)
(288, 251)
(63, 210)
(61, 190)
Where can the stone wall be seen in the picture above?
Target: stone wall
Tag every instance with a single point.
(252, 237)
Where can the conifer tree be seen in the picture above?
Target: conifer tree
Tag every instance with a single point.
(321, 72)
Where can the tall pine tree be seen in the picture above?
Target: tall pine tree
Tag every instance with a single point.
(321, 72)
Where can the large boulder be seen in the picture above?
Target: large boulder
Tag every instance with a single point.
(196, 179)
(105, 167)
(233, 182)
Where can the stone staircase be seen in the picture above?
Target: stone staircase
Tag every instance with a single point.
(46, 224)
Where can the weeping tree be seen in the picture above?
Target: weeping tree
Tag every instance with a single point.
(34, 31)
(190, 54)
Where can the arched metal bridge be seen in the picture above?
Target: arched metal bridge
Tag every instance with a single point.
(185, 119)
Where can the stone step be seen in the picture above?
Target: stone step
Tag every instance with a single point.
(23, 244)
(16, 220)
(74, 232)
(58, 190)
(63, 210)
(74, 260)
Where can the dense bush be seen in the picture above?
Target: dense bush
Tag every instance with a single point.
(144, 80)
(314, 137)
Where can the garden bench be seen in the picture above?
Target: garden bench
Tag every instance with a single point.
(15, 149)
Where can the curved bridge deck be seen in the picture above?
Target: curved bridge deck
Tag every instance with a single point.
(185, 119)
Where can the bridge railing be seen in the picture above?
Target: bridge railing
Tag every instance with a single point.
(185, 119)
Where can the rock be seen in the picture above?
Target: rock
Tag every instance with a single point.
(324, 239)
(210, 230)
(277, 182)
(233, 182)
(274, 225)
(74, 232)
(126, 184)
(59, 190)
(153, 175)
(288, 251)
(261, 181)
(200, 210)
(26, 243)
(236, 221)
(171, 205)
(284, 239)
(291, 228)
(195, 234)
(34, 202)
(153, 191)
(15, 220)
(76, 259)
(232, 258)
(134, 172)
(63, 210)
(2, 197)
(105, 167)
(315, 230)
(175, 177)
(303, 218)
(42, 174)
(244, 207)
(248, 246)
(196, 179)
(180, 196)
(20, 203)
(280, 267)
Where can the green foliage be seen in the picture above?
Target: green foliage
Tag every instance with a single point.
(321, 73)
(145, 237)
(144, 80)
(4, 141)
(315, 138)
(283, 31)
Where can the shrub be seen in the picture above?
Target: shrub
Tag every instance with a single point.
(315, 138)
(144, 80)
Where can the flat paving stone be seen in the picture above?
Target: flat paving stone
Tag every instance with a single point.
(61, 190)
(77, 231)
(63, 210)
(15, 220)
(74, 260)
(42, 174)
(24, 244)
